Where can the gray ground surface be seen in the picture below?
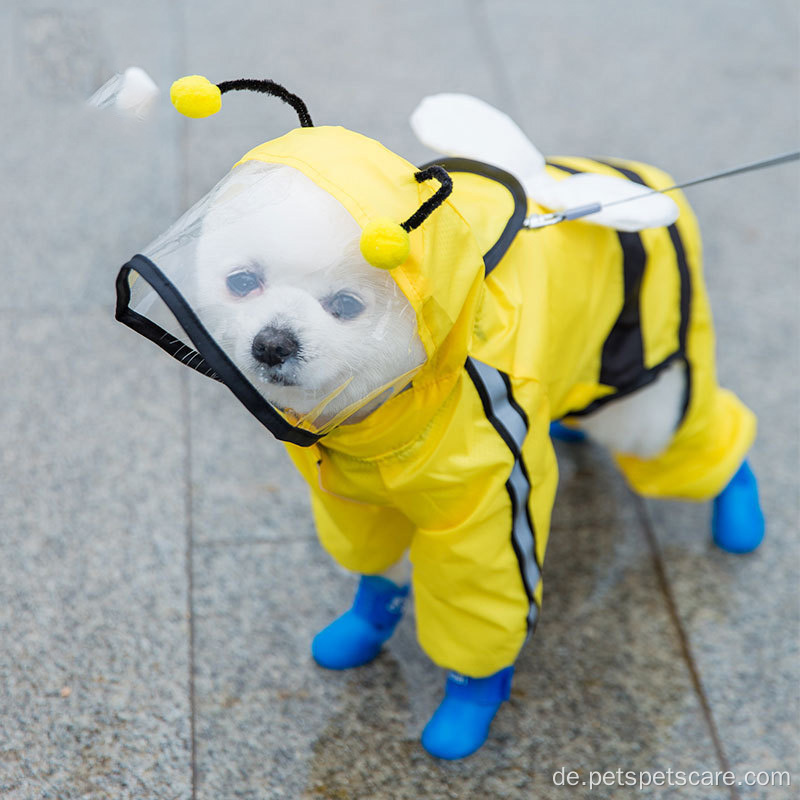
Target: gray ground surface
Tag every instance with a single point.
(159, 576)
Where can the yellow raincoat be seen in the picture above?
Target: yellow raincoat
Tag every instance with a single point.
(459, 467)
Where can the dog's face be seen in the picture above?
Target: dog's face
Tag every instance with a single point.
(283, 288)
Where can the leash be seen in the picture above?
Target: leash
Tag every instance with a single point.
(543, 220)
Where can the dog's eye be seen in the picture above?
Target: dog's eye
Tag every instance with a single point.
(242, 283)
(343, 305)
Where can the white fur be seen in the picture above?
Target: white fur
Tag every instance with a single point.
(399, 573)
(641, 423)
(305, 244)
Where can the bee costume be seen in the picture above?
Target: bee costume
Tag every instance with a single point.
(519, 328)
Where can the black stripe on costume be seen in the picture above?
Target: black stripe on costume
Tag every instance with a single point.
(644, 377)
(686, 308)
(622, 359)
(511, 423)
(686, 283)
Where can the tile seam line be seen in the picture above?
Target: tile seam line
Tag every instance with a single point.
(189, 500)
(178, 17)
(683, 639)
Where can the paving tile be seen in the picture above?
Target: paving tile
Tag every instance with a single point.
(93, 588)
(260, 700)
(743, 619)
(89, 188)
(244, 485)
(94, 421)
(741, 612)
(649, 82)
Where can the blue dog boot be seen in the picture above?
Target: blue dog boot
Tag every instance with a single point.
(564, 434)
(357, 636)
(737, 523)
(461, 723)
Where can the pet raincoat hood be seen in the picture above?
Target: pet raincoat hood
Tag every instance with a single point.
(516, 329)
(164, 292)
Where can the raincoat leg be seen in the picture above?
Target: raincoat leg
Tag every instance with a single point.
(362, 537)
(717, 430)
(470, 602)
(481, 537)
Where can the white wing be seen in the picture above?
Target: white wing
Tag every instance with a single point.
(651, 210)
(462, 125)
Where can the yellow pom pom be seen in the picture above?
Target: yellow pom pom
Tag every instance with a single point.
(384, 244)
(195, 96)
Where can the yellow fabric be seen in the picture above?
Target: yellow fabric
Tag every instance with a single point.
(427, 470)
(718, 429)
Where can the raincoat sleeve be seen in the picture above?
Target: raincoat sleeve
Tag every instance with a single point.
(362, 537)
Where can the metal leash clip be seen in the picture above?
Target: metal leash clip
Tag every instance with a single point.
(554, 217)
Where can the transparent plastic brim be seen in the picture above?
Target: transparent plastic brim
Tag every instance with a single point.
(239, 266)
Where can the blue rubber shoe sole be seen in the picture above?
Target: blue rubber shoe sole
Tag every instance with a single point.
(347, 642)
(457, 729)
(357, 636)
(737, 522)
(461, 724)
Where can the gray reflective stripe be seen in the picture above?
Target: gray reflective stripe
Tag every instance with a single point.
(510, 423)
(506, 414)
(523, 535)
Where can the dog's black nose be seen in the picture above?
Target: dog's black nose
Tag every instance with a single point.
(272, 346)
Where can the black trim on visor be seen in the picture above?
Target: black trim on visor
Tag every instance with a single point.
(209, 359)
(492, 257)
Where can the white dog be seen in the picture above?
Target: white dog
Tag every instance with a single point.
(459, 469)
